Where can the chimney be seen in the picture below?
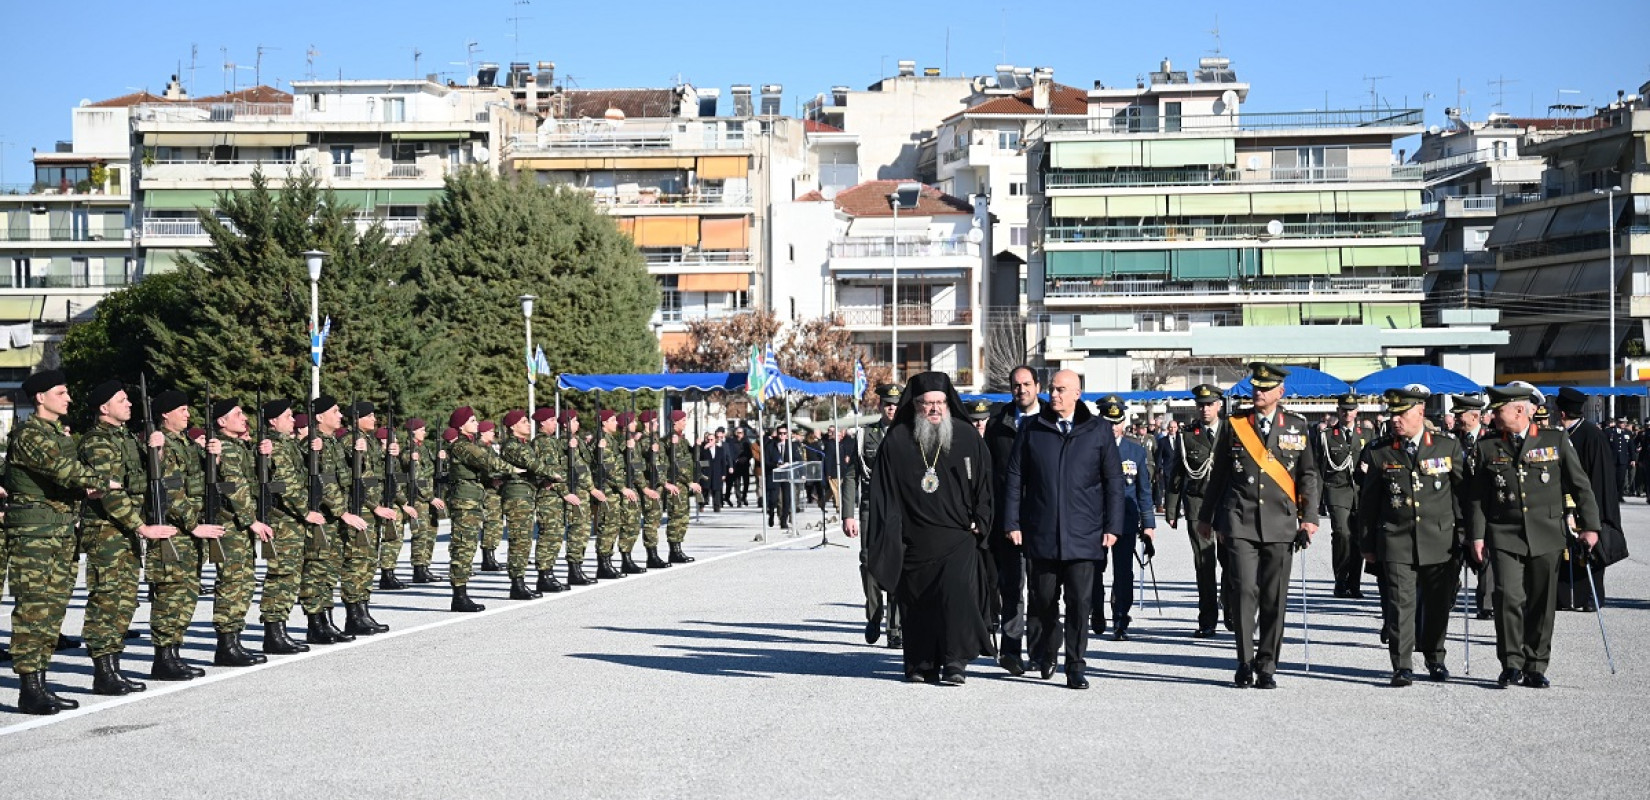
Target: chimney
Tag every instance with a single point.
(174, 90)
(1042, 88)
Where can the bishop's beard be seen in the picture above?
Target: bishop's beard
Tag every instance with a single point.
(931, 436)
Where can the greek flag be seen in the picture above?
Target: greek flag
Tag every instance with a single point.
(755, 373)
(773, 383)
(318, 341)
(537, 364)
(860, 380)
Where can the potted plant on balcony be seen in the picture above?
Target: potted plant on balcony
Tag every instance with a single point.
(99, 177)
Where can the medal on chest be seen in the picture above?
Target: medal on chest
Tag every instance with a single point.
(930, 478)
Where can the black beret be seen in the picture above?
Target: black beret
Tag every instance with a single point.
(1572, 400)
(224, 406)
(43, 381)
(168, 400)
(275, 408)
(362, 408)
(322, 404)
(104, 392)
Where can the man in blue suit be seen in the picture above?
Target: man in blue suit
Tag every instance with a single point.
(1065, 505)
(1137, 520)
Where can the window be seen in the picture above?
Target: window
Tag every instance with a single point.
(403, 152)
(80, 273)
(1008, 140)
(1149, 322)
(1177, 322)
(740, 299)
(315, 101)
(1017, 189)
(225, 154)
(343, 160)
(395, 109)
(1316, 163)
(670, 300)
(1171, 117)
(283, 155)
(61, 178)
(1197, 376)
(19, 273)
(1017, 236)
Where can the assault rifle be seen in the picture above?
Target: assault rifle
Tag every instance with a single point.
(357, 483)
(214, 494)
(313, 457)
(264, 489)
(154, 506)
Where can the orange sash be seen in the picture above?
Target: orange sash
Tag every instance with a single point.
(1244, 427)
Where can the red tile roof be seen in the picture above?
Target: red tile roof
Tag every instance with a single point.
(635, 103)
(128, 100)
(254, 94)
(813, 126)
(870, 199)
(1065, 100)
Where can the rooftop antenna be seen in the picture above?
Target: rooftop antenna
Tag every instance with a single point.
(516, 21)
(471, 47)
(1374, 98)
(258, 65)
(1500, 84)
(194, 53)
(309, 59)
(1560, 106)
(417, 54)
(1003, 29)
(1215, 31)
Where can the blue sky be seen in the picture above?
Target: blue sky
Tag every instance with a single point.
(1296, 55)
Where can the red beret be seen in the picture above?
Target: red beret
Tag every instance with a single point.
(193, 433)
(514, 416)
(300, 420)
(383, 434)
(485, 426)
(414, 424)
(678, 415)
(625, 418)
(341, 433)
(647, 417)
(449, 435)
(606, 414)
(567, 416)
(544, 414)
(460, 415)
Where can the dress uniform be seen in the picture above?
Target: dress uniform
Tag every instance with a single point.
(1188, 482)
(1515, 515)
(1263, 496)
(1138, 521)
(1408, 512)
(1470, 427)
(1339, 446)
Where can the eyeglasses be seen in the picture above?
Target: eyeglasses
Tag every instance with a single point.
(927, 406)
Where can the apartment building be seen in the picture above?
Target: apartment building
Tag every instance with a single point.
(894, 117)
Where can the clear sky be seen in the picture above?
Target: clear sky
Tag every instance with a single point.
(1296, 54)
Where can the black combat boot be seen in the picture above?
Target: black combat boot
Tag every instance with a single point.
(630, 567)
(462, 601)
(388, 582)
(519, 590)
(548, 582)
(278, 643)
(319, 631)
(136, 686)
(423, 575)
(230, 653)
(106, 677)
(167, 667)
(178, 657)
(337, 633)
(489, 562)
(605, 570)
(32, 698)
(65, 643)
(677, 556)
(366, 616)
(654, 561)
(576, 576)
(355, 620)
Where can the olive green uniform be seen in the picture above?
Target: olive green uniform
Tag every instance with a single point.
(109, 536)
(288, 505)
(390, 532)
(424, 526)
(681, 469)
(360, 551)
(516, 499)
(177, 584)
(492, 507)
(554, 515)
(618, 512)
(237, 575)
(1188, 485)
(324, 550)
(472, 468)
(634, 460)
(1339, 448)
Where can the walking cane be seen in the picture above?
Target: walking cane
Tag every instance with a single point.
(1466, 618)
(1598, 611)
(1150, 566)
(1306, 630)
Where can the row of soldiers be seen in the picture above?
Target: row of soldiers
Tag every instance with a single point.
(324, 498)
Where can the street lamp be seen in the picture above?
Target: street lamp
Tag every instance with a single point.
(904, 196)
(1610, 231)
(532, 363)
(313, 259)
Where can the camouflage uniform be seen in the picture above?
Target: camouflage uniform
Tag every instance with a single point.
(360, 552)
(288, 505)
(472, 467)
(516, 500)
(46, 485)
(237, 575)
(492, 507)
(553, 511)
(633, 459)
(177, 584)
(324, 551)
(653, 478)
(681, 469)
(583, 455)
(424, 526)
(109, 537)
(389, 531)
(618, 513)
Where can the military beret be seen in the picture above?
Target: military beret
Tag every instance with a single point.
(341, 433)
(978, 409)
(567, 415)
(322, 404)
(1502, 395)
(1266, 376)
(1401, 399)
(1347, 402)
(449, 435)
(361, 409)
(890, 392)
(381, 434)
(625, 418)
(606, 414)
(544, 414)
(275, 408)
(300, 420)
(1112, 409)
(195, 433)
(485, 426)
(678, 415)
(460, 415)
(167, 401)
(514, 416)
(647, 417)
(413, 424)
(104, 392)
(1466, 402)
(1206, 393)
(224, 406)
(43, 381)
(1572, 400)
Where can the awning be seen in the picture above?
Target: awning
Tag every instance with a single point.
(672, 341)
(431, 136)
(180, 199)
(21, 308)
(713, 282)
(1302, 382)
(906, 274)
(1529, 226)
(716, 168)
(1438, 379)
(724, 233)
(267, 139)
(666, 231)
(692, 381)
(184, 139)
(1432, 233)
(1574, 340)
(22, 357)
(1603, 155)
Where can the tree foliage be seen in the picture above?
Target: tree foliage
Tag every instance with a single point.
(114, 344)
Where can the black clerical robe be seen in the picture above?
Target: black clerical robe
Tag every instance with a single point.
(929, 546)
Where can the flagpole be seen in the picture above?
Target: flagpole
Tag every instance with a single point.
(762, 470)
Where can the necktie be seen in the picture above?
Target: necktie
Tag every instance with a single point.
(1065, 426)
(1410, 448)
(1265, 427)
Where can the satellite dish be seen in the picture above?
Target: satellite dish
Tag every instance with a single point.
(614, 117)
(1433, 130)
(85, 101)
(1274, 228)
(1219, 107)
(975, 235)
(1229, 98)
(472, 81)
(1254, 162)
(480, 152)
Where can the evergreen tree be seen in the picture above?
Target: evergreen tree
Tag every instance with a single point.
(114, 344)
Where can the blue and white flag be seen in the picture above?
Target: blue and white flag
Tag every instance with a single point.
(318, 341)
(860, 381)
(773, 383)
(540, 364)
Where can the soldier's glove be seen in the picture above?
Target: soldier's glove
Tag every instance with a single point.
(1149, 547)
(1302, 541)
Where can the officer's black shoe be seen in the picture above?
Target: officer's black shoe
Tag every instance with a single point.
(519, 590)
(489, 562)
(1121, 634)
(1510, 676)
(278, 643)
(32, 697)
(1077, 680)
(423, 575)
(1587, 607)
(1097, 623)
(366, 616)
(953, 676)
(1438, 672)
(576, 576)
(896, 640)
(355, 622)
(605, 570)
(1536, 680)
(911, 676)
(1403, 677)
(654, 561)
(1264, 680)
(679, 557)
(548, 582)
(1205, 632)
(338, 633)
(132, 633)
(106, 677)
(1012, 664)
(1563, 607)
(1045, 670)
(1341, 593)
(630, 566)
(136, 686)
(388, 582)
(319, 631)
(66, 643)
(1245, 676)
(462, 601)
(1355, 593)
(230, 654)
(873, 630)
(167, 667)
(1486, 613)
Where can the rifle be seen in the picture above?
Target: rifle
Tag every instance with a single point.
(572, 482)
(357, 486)
(154, 506)
(412, 469)
(315, 491)
(598, 480)
(214, 497)
(262, 462)
(388, 496)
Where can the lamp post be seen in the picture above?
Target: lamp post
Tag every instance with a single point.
(904, 196)
(532, 363)
(1610, 231)
(313, 259)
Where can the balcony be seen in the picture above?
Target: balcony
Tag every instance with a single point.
(882, 248)
(646, 198)
(187, 111)
(178, 227)
(1068, 234)
(1236, 290)
(406, 171)
(98, 281)
(63, 234)
(1224, 175)
(701, 261)
(1275, 121)
(394, 227)
(910, 315)
(602, 138)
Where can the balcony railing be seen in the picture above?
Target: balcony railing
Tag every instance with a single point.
(64, 281)
(1241, 230)
(705, 258)
(177, 227)
(686, 199)
(604, 138)
(1204, 176)
(202, 111)
(396, 227)
(222, 162)
(882, 248)
(909, 314)
(1242, 287)
(62, 234)
(1195, 125)
(405, 171)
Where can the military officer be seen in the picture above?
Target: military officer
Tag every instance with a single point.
(870, 441)
(1407, 523)
(1188, 486)
(553, 498)
(1263, 497)
(1138, 521)
(679, 490)
(237, 575)
(1515, 515)
(473, 465)
(289, 517)
(1339, 447)
(979, 413)
(517, 495)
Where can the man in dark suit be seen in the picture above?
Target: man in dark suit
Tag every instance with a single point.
(737, 489)
(1263, 498)
(1515, 515)
(1000, 432)
(781, 451)
(718, 465)
(1593, 448)
(1065, 504)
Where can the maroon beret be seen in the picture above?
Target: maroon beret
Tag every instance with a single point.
(460, 415)
(300, 420)
(193, 433)
(413, 424)
(514, 416)
(449, 435)
(383, 434)
(485, 426)
(625, 418)
(647, 417)
(606, 414)
(543, 414)
(678, 415)
(567, 416)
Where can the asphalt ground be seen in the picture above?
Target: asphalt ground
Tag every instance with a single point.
(745, 674)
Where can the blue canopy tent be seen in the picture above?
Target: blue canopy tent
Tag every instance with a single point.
(1302, 382)
(667, 382)
(1437, 379)
(1600, 391)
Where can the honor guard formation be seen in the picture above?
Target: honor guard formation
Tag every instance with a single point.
(990, 531)
(324, 498)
